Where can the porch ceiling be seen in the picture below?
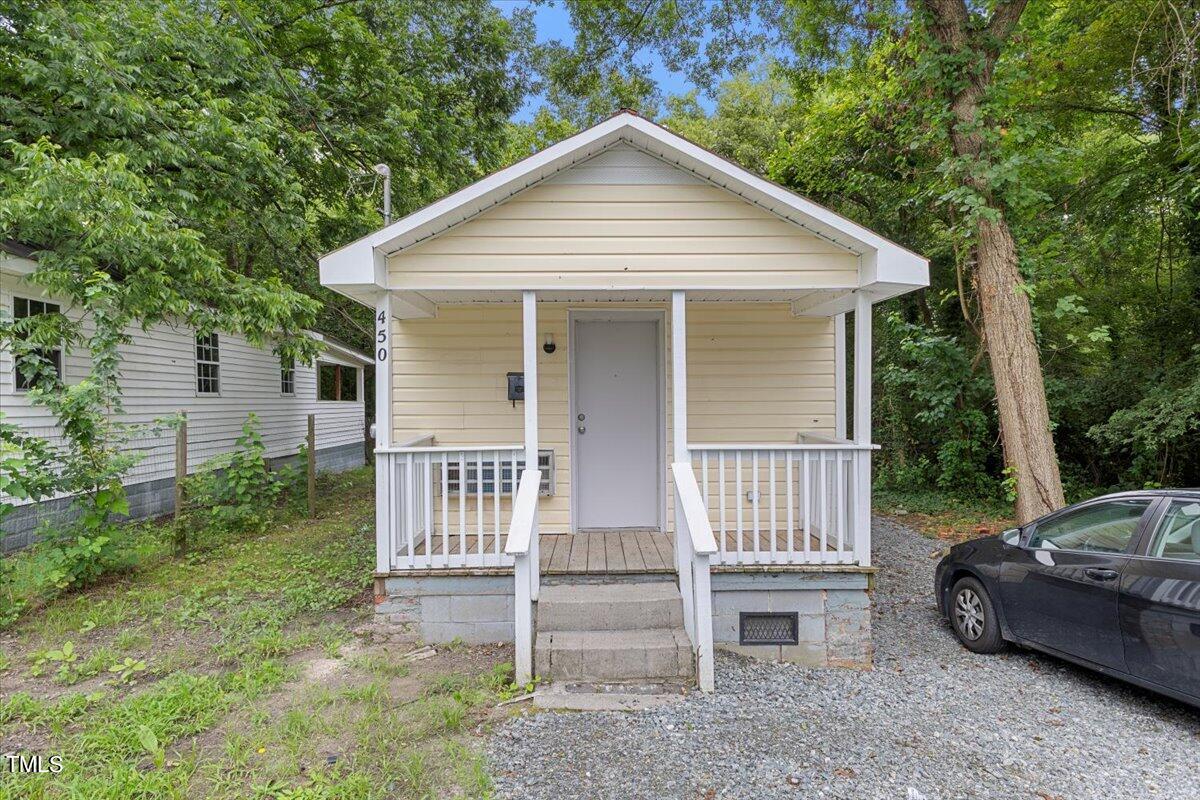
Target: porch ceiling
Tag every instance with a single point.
(627, 296)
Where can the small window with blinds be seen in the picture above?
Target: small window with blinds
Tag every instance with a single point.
(474, 471)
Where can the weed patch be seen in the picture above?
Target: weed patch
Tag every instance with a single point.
(944, 516)
(235, 671)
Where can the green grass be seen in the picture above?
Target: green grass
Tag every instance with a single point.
(225, 705)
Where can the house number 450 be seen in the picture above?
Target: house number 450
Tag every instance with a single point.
(381, 336)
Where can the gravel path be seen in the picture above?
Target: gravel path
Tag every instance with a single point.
(932, 720)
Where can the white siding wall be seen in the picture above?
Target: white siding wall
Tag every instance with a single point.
(158, 378)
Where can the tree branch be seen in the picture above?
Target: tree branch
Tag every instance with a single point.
(950, 19)
(1004, 19)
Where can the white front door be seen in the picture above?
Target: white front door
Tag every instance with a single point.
(615, 418)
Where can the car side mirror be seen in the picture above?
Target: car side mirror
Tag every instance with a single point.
(1011, 536)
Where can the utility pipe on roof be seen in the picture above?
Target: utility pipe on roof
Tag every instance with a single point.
(386, 172)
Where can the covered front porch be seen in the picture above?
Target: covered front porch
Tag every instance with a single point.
(603, 400)
(454, 502)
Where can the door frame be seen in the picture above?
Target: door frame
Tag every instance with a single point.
(659, 317)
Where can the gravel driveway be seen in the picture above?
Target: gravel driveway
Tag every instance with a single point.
(932, 720)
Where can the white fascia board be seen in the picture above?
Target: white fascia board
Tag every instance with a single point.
(363, 294)
(412, 305)
(335, 350)
(830, 303)
(820, 304)
(16, 265)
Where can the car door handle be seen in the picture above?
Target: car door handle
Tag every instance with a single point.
(1097, 574)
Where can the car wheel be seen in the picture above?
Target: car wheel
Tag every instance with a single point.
(973, 617)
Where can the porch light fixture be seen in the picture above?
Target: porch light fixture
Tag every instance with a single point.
(549, 346)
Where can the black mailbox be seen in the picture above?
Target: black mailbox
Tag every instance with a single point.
(516, 386)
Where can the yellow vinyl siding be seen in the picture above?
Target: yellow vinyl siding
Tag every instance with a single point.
(755, 374)
(624, 236)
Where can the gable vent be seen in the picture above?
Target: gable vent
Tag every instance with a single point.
(624, 165)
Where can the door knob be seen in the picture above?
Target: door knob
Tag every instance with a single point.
(581, 429)
(581, 417)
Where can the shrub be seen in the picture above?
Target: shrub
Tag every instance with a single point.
(234, 493)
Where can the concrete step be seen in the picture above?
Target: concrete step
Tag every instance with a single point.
(621, 696)
(609, 607)
(655, 654)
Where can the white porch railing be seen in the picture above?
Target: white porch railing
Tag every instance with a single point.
(522, 548)
(694, 546)
(446, 507)
(786, 504)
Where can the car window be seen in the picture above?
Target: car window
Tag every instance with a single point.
(1100, 528)
(1178, 533)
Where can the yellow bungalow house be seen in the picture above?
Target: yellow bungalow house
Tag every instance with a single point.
(611, 411)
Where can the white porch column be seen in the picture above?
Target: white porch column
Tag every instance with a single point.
(530, 347)
(839, 376)
(385, 482)
(679, 373)
(862, 428)
(679, 397)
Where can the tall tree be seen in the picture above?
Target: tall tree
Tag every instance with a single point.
(254, 126)
(187, 162)
(968, 46)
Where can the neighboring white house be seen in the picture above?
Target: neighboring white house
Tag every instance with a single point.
(662, 334)
(217, 381)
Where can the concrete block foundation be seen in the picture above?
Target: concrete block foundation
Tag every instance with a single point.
(476, 609)
(833, 614)
(833, 611)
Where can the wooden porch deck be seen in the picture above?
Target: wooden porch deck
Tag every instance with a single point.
(613, 552)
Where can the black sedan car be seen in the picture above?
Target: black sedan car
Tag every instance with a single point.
(1111, 583)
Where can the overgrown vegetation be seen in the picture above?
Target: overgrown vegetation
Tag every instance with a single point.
(233, 495)
(941, 515)
(235, 671)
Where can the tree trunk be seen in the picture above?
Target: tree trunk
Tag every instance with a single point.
(1004, 305)
(1017, 372)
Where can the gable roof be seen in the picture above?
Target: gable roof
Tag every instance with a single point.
(359, 268)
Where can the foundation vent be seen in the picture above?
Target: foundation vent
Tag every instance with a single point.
(769, 628)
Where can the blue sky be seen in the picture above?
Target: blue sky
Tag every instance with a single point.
(553, 22)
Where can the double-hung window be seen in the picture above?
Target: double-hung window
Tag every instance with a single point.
(287, 376)
(208, 364)
(23, 308)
